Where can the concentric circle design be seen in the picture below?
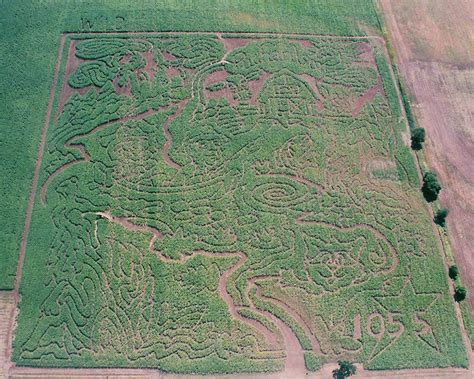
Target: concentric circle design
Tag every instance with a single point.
(277, 192)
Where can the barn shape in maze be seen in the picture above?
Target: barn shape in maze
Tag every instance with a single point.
(205, 196)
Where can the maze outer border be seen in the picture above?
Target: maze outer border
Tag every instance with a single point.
(24, 371)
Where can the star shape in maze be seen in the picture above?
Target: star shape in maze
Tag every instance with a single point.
(408, 307)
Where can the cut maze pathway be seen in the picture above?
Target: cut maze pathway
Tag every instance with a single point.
(294, 350)
(294, 363)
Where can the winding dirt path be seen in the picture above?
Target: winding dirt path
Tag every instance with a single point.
(294, 353)
(234, 310)
(367, 97)
(222, 286)
(169, 138)
(294, 315)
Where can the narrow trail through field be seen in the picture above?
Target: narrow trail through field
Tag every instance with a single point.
(234, 310)
(222, 286)
(367, 97)
(299, 320)
(169, 139)
(294, 351)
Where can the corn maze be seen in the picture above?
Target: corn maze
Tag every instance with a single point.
(203, 196)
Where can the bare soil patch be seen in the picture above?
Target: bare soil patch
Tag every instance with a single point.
(256, 86)
(172, 71)
(366, 98)
(168, 56)
(216, 77)
(305, 43)
(151, 66)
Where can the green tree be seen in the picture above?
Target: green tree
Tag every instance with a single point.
(431, 186)
(417, 138)
(345, 370)
(440, 217)
(453, 272)
(460, 293)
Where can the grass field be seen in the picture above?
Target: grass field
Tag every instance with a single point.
(216, 199)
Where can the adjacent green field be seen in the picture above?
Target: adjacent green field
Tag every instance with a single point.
(195, 188)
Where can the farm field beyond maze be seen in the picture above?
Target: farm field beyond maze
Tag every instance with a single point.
(219, 203)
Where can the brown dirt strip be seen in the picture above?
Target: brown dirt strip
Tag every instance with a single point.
(127, 224)
(324, 373)
(357, 327)
(296, 317)
(294, 362)
(169, 139)
(268, 334)
(367, 97)
(233, 36)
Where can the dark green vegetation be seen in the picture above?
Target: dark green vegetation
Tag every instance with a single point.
(440, 216)
(431, 187)
(345, 370)
(30, 33)
(176, 221)
(453, 272)
(417, 138)
(460, 293)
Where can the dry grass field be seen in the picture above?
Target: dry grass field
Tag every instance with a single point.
(434, 42)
